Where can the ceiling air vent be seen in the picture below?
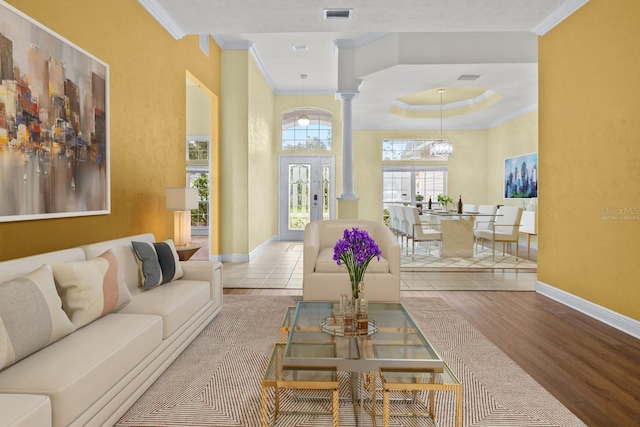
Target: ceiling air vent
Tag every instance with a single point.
(469, 76)
(338, 13)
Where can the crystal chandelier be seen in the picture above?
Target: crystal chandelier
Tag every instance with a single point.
(303, 119)
(441, 148)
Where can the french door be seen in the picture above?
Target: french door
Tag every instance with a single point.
(305, 193)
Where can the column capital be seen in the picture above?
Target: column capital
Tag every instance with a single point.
(346, 96)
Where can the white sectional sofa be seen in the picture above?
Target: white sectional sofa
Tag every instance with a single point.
(324, 280)
(95, 373)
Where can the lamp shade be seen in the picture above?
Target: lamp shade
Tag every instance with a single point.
(181, 199)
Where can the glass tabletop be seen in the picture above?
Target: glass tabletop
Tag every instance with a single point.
(455, 213)
(397, 343)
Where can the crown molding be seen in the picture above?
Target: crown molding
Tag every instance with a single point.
(262, 68)
(449, 106)
(559, 15)
(246, 45)
(512, 116)
(161, 15)
(233, 44)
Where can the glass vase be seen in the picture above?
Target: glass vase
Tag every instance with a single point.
(356, 288)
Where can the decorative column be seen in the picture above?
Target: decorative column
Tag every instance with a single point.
(347, 202)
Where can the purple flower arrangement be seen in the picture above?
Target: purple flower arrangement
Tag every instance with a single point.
(355, 250)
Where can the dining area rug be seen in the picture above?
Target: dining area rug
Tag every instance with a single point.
(216, 381)
(427, 258)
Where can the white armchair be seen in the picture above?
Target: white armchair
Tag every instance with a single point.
(324, 280)
(505, 228)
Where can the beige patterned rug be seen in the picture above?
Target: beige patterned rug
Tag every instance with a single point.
(216, 380)
(427, 258)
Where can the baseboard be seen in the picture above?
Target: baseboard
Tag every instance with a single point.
(245, 257)
(616, 320)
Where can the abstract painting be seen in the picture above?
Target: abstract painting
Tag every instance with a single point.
(54, 124)
(521, 176)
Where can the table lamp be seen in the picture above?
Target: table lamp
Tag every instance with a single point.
(182, 201)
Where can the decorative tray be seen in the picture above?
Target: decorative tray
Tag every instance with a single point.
(329, 326)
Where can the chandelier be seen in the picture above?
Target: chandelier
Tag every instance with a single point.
(303, 119)
(441, 148)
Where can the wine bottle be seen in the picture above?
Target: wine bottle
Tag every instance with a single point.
(429, 205)
(362, 313)
(460, 204)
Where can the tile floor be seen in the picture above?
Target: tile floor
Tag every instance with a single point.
(280, 267)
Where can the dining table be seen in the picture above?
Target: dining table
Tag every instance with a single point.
(457, 229)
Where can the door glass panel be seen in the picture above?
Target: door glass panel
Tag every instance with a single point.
(305, 193)
(299, 201)
(326, 187)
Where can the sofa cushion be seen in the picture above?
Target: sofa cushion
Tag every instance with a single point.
(326, 264)
(159, 262)
(20, 267)
(76, 371)
(91, 289)
(31, 315)
(25, 410)
(175, 302)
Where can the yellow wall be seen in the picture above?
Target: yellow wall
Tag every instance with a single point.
(263, 171)
(234, 152)
(589, 155)
(198, 112)
(147, 126)
(249, 173)
(513, 138)
(466, 167)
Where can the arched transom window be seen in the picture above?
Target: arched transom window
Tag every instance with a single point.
(315, 136)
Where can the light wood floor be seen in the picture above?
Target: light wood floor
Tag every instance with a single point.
(593, 369)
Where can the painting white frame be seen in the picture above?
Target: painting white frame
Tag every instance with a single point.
(56, 115)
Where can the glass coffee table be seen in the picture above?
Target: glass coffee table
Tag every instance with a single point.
(394, 342)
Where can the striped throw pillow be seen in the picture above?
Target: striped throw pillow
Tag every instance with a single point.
(91, 289)
(159, 263)
(31, 315)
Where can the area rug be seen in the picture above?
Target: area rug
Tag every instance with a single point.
(427, 258)
(216, 380)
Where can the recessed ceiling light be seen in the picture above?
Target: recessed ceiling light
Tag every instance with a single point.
(469, 76)
(338, 13)
(300, 47)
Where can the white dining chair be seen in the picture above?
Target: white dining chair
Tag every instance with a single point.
(504, 229)
(483, 222)
(421, 232)
(395, 222)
